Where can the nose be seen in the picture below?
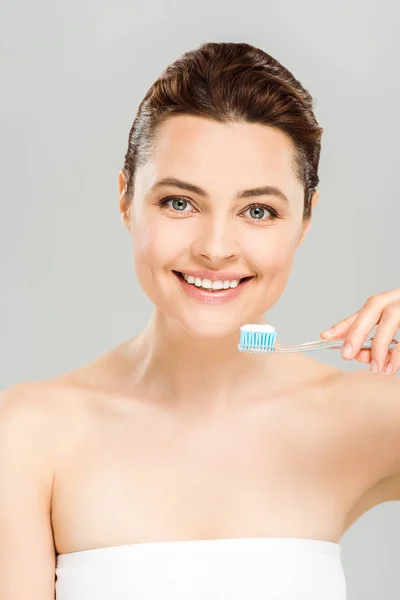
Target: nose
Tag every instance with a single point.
(216, 241)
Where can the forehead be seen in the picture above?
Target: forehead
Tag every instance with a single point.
(213, 154)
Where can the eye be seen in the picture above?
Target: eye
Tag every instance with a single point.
(178, 204)
(258, 211)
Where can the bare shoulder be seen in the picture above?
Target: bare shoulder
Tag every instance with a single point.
(39, 399)
(27, 400)
(24, 424)
(60, 404)
(43, 412)
(61, 407)
(32, 419)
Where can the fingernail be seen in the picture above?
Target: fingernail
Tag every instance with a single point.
(389, 368)
(347, 350)
(328, 331)
(374, 366)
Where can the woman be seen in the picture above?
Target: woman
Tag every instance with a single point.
(175, 466)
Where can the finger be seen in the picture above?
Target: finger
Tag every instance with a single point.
(380, 300)
(364, 356)
(366, 320)
(394, 359)
(341, 328)
(388, 325)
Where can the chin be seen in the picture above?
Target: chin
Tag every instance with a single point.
(202, 324)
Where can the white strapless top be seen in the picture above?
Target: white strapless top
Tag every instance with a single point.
(222, 569)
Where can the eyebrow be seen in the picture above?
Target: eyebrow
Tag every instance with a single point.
(266, 190)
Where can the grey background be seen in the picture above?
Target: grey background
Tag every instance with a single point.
(73, 75)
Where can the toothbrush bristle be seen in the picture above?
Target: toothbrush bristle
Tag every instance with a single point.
(257, 341)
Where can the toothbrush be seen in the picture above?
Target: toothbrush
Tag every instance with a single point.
(261, 339)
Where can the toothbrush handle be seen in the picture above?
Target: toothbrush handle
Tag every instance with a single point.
(330, 345)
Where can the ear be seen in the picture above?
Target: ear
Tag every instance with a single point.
(315, 199)
(307, 226)
(124, 205)
(121, 181)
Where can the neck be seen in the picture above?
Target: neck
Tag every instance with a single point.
(200, 374)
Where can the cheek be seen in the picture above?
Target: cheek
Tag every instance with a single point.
(155, 246)
(273, 254)
(273, 264)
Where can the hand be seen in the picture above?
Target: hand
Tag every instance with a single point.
(382, 310)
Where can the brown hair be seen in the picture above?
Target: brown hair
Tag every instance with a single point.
(228, 83)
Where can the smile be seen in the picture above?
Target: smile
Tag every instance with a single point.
(212, 292)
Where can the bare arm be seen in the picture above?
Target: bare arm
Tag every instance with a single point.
(388, 395)
(27, 554)
(383, 394)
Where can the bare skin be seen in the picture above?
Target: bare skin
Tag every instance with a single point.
(298, 463)
(175, 435)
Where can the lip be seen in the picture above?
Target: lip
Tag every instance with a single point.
(206, 297)
(216, 275)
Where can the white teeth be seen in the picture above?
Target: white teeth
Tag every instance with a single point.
(207, 284)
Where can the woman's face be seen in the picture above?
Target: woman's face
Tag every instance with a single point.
(215, 228)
